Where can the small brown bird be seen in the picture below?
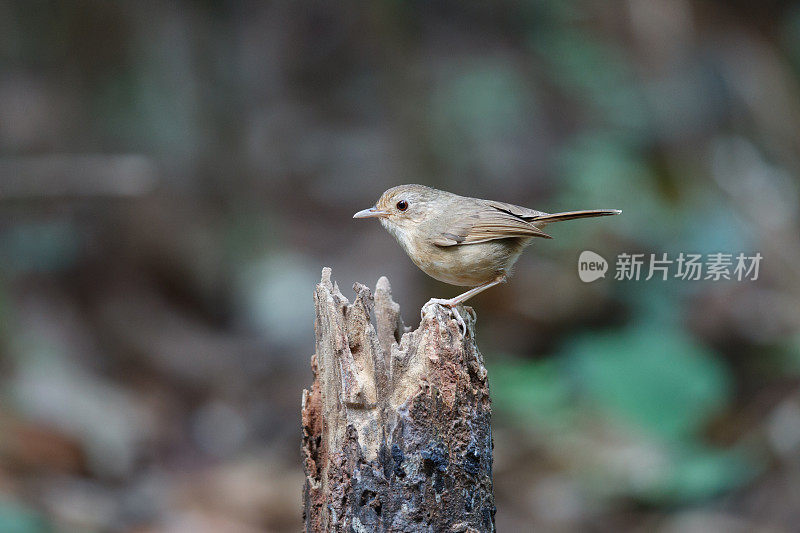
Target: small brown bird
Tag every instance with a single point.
(459, 240)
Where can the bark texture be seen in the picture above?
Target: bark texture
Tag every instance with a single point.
(396, 426)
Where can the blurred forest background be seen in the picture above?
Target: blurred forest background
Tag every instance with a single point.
(174, 175)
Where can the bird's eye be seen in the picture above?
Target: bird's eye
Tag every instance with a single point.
(402, 205)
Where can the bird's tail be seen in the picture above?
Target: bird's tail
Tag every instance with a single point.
(569, 215)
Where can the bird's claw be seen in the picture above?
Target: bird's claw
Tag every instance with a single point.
(462, 326)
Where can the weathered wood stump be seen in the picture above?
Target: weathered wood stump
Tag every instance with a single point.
(396, 426)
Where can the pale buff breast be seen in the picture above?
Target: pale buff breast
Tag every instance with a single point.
(466, 265)
(469, 264)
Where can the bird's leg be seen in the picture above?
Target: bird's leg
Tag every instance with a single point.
(452, 303)
(461, 298)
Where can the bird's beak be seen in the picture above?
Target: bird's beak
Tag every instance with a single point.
(372, 212)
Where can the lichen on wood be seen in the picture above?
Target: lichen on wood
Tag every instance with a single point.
(396, 425)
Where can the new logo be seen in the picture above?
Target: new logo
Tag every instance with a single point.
(591, 266)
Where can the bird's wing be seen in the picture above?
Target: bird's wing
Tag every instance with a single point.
(490, 221)
(517, 210)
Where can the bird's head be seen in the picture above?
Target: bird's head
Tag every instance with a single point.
(403, 207)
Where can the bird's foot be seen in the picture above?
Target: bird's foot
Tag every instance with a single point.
(450, 304)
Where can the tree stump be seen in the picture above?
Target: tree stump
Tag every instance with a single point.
(396, 426)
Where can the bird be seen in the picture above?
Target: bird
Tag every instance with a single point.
(463, 241)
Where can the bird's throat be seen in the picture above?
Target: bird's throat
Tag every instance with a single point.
(402, 237)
